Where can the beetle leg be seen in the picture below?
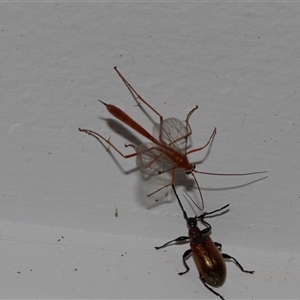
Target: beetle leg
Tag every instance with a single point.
(226, 256)
(179, 239)
(218, 245)
(209, 288)
(205, 231)
(184, 257)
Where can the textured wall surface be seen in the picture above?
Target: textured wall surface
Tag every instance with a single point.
(239, 62)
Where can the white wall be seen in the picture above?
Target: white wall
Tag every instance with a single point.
(59, 235)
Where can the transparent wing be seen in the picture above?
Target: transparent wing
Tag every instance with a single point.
(172, 132)
(150, 160)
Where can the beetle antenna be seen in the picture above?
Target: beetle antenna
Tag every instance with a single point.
(205, 213)
(211, 212)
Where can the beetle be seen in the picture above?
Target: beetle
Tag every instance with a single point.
(207, 254)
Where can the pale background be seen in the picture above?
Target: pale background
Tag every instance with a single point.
(240, 62)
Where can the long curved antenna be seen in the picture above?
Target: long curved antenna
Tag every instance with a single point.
(202, 202)
(226, 174)
(191, 199)
(205, 213)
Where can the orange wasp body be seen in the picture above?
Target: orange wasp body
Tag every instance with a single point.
(168, 150)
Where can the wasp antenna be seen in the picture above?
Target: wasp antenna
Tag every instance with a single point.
(202, 202)
(192, 199)
(180, 204)
(233, 174)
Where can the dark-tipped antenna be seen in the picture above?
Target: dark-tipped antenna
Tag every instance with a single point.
(184, 213)
(205, 213)
(201, 217)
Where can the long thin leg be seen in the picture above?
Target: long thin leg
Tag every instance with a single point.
(173, 180)
(187, 119)
(179, 239)
(226, 256)
(209, 141)
(137, 95)
(190, 130)
(208, 226)
(209, 288)
(99, 136)
(184, 257)
(189, 127)
(158, 156)
(144, 151)
(205, 231)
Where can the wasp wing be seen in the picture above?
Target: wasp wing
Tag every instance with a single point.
(172, 132)
(151, 160)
